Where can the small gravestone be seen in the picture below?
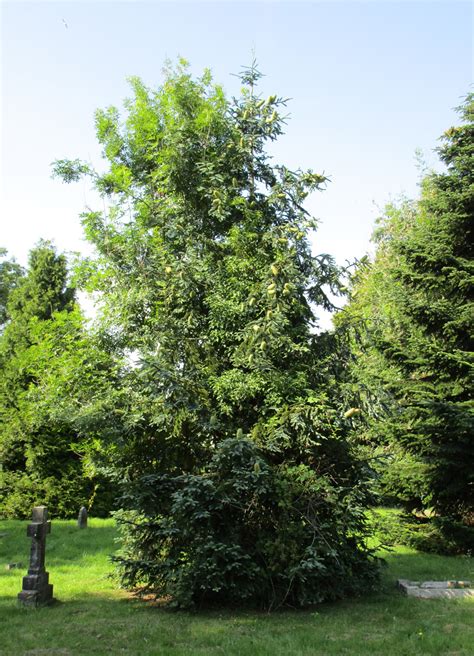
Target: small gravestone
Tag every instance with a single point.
(82, 518)
(37, 591)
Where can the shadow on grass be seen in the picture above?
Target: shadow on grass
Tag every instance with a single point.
(80, 558)
(96, 623)
(120, 604)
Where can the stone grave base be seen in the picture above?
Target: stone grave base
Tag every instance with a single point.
(37, 590)
(34, 598)
(436, 589)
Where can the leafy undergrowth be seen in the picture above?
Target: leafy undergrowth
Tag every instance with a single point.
(392, 526)
(93, 617)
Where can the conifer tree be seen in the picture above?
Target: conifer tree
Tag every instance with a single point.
(240, 485)
(410, 318)
(10, 275)
(46, 357)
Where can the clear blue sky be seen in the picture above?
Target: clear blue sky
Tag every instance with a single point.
(370, 82)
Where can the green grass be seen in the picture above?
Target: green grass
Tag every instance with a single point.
(93, 617)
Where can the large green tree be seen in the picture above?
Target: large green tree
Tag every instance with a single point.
(240, 483)
(410, 321)
(47, 359)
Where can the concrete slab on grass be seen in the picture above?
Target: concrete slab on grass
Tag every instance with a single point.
(436, 589)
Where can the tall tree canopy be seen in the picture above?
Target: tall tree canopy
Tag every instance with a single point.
(410, 318)
(240, 483)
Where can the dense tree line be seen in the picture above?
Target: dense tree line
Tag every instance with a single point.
(409, 327)
(48, 362)
(238, 440)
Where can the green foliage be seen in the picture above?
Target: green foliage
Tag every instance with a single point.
(10, 275)
(409, 327)
(394, 526)
(244, 531)
(46, 362)
(70, 171)
(209, 287)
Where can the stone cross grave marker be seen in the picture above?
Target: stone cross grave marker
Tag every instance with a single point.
(37, 591)
(82, 518)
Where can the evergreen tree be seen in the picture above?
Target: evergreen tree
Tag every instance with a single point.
(410, 319)
(46, 357)
(10, 275)
(240, 483)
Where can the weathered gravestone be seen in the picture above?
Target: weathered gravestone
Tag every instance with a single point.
(436, 589)
(82, 518)
(37, 591)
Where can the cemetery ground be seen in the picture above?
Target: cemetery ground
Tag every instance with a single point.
(92, 616)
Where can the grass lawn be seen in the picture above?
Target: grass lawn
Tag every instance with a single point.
(93, 617)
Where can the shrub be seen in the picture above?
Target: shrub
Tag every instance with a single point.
(245, 531)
